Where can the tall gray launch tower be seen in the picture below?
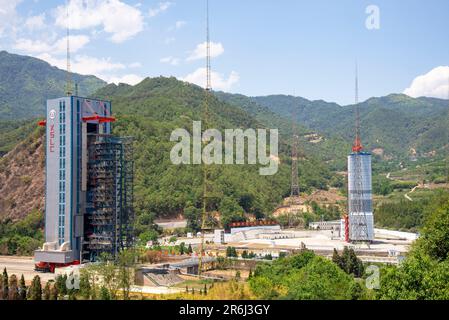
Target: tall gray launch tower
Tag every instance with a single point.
(360, 203)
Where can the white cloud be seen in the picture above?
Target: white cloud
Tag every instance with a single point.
(8, 15)
(76, 43)
(163, 6)
(31, 46)
(170, 60)
(200, 52)
(60, 46)
(131, 79)
(103, 68)
(84, 64)
(435, 84)
(178, 25)
(35, 22)
(219, 81)
(115, 17)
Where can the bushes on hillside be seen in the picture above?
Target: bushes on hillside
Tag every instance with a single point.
(22, 237)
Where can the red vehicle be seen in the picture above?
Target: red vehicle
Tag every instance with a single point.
(51, 266)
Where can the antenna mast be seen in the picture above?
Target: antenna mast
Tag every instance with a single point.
(358, 218)
(69, 78)
(357, 147)
(206, 171)
(294, 179)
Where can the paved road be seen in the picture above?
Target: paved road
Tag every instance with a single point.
(22, 265)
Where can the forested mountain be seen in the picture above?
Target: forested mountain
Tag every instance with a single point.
(26, 83)
(151, 110)
(329, 148)
(397, 124)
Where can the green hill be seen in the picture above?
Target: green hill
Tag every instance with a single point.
(395, 123)
(331, 149)
(26, 83)
(151, 110)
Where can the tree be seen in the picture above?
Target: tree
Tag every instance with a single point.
(126, 263)
(321, 279)
(149, 235)
(337, 259)
(54, 292)
(189, 249)
(182, 248)
(13, 288)
(104, 293)
(61, 285)
(36, 289)
(47, 291)
(5, 291)
(85, 287)
(435, 234)
(107, 271)
(231, 252)
(356, 265)
(22, 288)
(205, 289)
(349, 262)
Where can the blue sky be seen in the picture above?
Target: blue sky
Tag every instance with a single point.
(260, 47)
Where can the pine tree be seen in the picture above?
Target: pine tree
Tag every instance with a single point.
(5, 291)
(346, 260)
(189, 249)
(205, 290)
(36, 289)
(47, 291)
(22, 288)
(356, 265)
(61, 285)
(13, 288)
(337, 259)
(54, 292)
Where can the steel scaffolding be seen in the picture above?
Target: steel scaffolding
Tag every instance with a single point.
(110, 214)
